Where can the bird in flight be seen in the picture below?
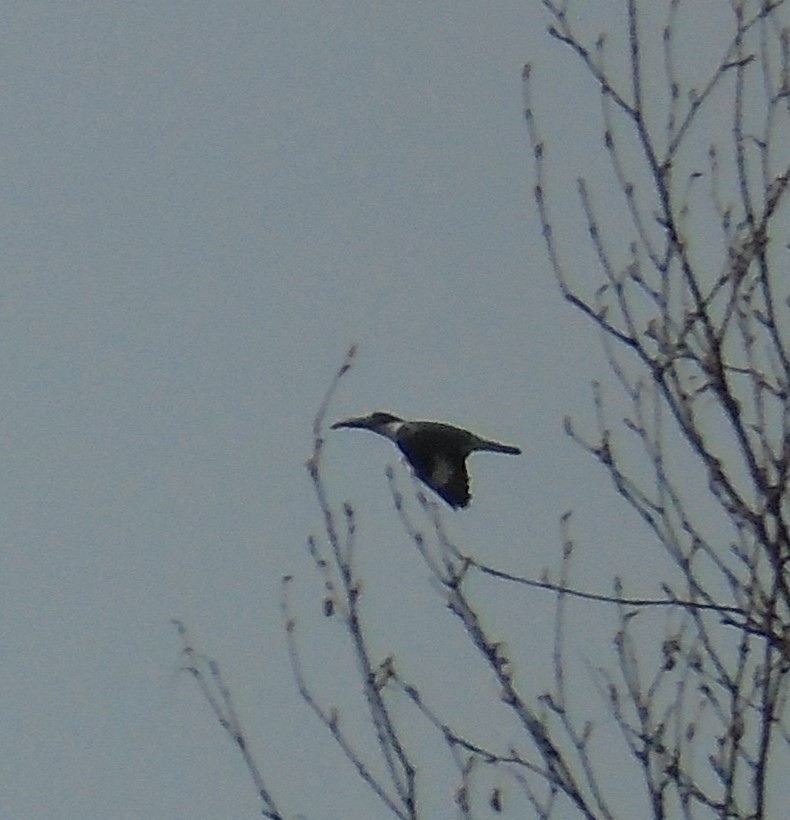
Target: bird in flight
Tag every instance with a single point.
(436, 452)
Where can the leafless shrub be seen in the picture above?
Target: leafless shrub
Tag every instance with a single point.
(695, 331)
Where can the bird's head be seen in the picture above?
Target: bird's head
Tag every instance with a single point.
(384, 424)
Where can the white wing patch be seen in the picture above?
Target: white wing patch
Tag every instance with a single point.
(442, 472)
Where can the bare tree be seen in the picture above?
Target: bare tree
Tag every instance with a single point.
(697, 336)
(690, 295)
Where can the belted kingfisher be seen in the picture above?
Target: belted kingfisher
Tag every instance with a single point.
(437, 452)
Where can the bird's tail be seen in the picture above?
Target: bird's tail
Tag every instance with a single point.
(496, 447)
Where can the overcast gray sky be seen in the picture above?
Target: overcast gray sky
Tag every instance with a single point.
(203, 205)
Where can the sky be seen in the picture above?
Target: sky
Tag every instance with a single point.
(204, 206)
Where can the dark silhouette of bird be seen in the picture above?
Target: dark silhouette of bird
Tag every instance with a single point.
(436, 452)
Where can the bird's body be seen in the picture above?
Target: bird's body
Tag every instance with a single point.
(437, 452)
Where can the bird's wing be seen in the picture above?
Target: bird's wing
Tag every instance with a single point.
(444, 475)
(451, 481)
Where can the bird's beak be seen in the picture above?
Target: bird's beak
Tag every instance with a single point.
(362, 422)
